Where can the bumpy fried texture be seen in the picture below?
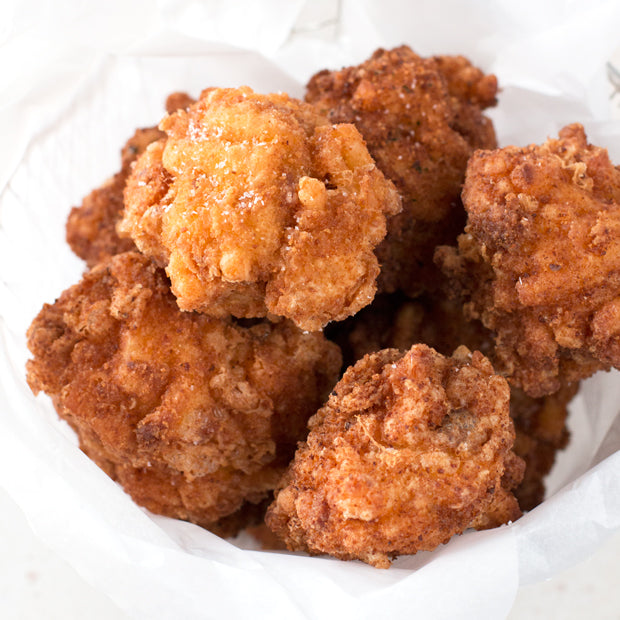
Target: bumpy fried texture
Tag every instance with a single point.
(91, 227)
(193, 415)
(539, 262)
(421, 119)
(471, 91)
(409, 450)
(255, 204)
(393, 321)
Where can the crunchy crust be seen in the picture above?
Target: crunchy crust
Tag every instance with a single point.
(539, 263)
(194, 415)
(439, 322)
(409, 450)
(255, 204)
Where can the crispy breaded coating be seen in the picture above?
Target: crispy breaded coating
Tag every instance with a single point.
(393, 321)
(410, 449)
(255, 204)
(195, 415)
(91, 227)
(471, 91)
(539, 263)
(421, 119)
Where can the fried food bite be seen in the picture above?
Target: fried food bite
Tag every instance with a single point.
(394, 321)
(421, 119)
(410, 449)
(193, 415)
(91, 227)
(256, 205)
(539, 263)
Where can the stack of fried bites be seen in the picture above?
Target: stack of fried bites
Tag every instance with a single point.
(253, 247)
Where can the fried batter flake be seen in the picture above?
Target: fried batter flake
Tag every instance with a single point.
(539, 262)
(421, 119)
(255, 204)
(409, 450)
(194, 415)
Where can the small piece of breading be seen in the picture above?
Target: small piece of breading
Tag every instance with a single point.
(539, 262)
(421, 119)
(410, 449)
(194, 415)
(256, 205)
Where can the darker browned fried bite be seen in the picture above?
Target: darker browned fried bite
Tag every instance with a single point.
(394, 321)
(195, 416)
(539, 262)
(410, 449)
(421, 119)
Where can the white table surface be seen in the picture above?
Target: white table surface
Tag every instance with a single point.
(35, 583)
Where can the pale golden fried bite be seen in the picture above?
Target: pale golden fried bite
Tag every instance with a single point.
(539, 263)
(91, 227)
(421, 119)
(256, 205)
(410, 449)
(193, 415)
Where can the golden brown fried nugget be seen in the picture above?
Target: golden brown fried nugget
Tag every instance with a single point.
(393, 321)
(195, 415)
(255, 204)
(539, 263)
(91, 227)
(410, 449)
(421, 119)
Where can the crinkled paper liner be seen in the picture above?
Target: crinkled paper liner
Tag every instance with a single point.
(65, 123)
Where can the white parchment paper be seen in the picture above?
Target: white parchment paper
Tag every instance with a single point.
(75, 80)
